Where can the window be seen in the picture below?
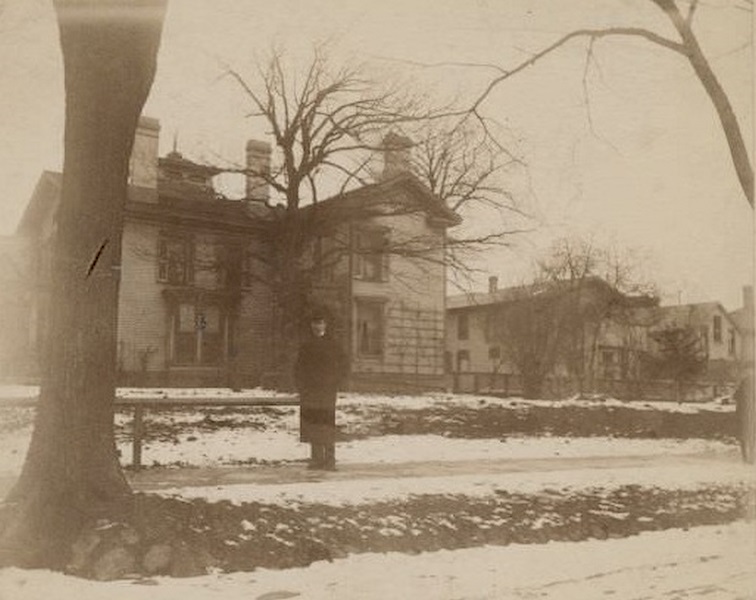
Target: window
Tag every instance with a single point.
(731, 342)
(609, 357)
(326, 257)
(463, 326)
(717, 335)
(463, 360)
(234, 267)
(494, 353)
(371, 256)
(198, 335)
(369, 326)
(704, 337)
(175, 260)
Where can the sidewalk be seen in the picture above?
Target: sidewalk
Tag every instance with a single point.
(156, 478)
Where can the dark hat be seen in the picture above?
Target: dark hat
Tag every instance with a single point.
(317, 315)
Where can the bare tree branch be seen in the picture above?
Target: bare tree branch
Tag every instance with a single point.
(589, 33)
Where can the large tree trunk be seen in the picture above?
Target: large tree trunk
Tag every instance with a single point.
(72, 474)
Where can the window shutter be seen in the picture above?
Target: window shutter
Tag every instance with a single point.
(357, 255)
(385, 254)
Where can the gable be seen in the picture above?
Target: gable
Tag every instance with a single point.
(403, 194)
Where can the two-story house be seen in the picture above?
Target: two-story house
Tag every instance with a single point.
(576, 336)
(549, 338)
(390, 281)
(720, 337)
(196, 300)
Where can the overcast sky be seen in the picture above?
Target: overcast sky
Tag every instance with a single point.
(649, 169)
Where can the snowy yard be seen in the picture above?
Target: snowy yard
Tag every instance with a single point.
(714, 562)
(209, 437)
(478, 495)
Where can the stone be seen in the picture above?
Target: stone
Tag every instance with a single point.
(130, 536)
(82, 550)
(190, 562)
(115, 563)
(157, 559)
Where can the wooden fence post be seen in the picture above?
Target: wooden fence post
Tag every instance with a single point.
(136, 448)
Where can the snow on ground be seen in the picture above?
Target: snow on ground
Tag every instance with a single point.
(239, 445)
(713, 562)
(10, 392)
(341, 492)
(257, 443)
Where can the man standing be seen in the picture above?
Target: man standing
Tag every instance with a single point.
(318, 372)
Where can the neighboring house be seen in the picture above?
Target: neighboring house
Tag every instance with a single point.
(195, 301)
(558, 335)
(578, 336)
(721, 340)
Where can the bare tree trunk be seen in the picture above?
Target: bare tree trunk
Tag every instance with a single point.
(72, 474)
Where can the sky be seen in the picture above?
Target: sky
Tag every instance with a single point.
(628, 152)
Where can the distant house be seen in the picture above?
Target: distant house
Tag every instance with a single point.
(545, 338)
(578, 336)
(720, 337)
(196, 306)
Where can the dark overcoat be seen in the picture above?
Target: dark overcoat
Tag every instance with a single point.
(319, 370)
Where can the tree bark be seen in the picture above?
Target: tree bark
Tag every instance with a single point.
(72, 474)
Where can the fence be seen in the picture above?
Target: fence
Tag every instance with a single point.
(510, 384)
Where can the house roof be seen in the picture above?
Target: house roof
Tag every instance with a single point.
(181, 205)
(743, 319)
(511, 294)
(184, 203)
(380, 194)
(692, 313)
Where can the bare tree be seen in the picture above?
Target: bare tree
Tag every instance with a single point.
(580, 264)
(529, 328)
(467, 167)
(687, 46)
(328, 125)
(72, 475)
(555, 324)
(680, 356)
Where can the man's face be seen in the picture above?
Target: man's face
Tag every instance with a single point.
(318, 327)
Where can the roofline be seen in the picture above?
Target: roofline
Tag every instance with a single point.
(402, 179)
(716, 303)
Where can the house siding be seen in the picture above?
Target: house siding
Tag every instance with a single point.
(142, 311)
(413, 296)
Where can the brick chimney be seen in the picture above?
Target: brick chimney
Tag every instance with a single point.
(493, 284)
(396, 155)
(143, 165)
(258, 165)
